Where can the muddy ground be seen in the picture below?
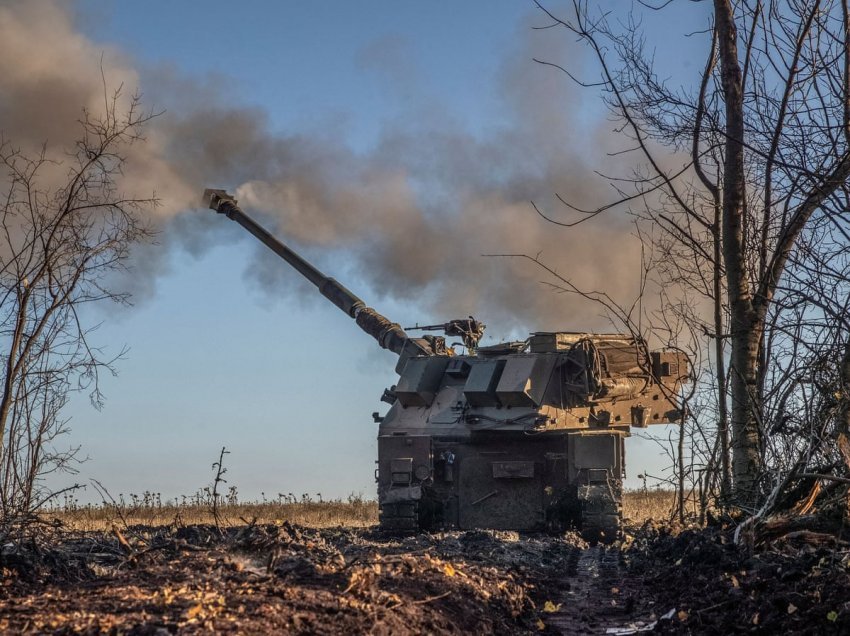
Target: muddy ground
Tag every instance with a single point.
(289, 579)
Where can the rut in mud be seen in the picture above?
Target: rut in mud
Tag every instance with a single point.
(589, 602)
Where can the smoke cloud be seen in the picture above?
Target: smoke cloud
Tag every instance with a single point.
(412, 217)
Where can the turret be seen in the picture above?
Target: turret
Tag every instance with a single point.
(388, 334)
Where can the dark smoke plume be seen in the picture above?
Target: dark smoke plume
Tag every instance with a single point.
(411, 217)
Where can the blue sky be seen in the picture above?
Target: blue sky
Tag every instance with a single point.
(220, 357)
(309, 63)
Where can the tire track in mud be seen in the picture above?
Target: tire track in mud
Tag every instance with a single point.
(590, 603)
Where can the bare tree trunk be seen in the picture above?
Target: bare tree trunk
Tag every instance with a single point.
(844, 413)
(745, 325)
(8, 382)
(720, 365)
(718, 292)
(746, 437)
(681, 462)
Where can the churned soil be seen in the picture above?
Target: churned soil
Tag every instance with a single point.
(278, 579)
(283, 578)
(797, 582)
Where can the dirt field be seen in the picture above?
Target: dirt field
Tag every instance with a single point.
(283, 579)
(286, 578)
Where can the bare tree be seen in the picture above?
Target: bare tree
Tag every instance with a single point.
(65, 229)
(760, 156)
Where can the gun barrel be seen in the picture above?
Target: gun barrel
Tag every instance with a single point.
(223, 203)
(388, 334)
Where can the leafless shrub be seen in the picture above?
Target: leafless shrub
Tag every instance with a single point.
(65, 228)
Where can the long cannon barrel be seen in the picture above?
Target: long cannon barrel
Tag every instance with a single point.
(388, 334)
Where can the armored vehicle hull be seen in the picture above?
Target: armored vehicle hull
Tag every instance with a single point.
(521, 437)
(515, 436)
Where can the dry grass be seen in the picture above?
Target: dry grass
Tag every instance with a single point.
(642, 505)
(638, 506)
(353, 512)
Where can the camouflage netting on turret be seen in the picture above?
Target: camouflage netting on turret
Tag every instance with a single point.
(622, 358)
(609, 367)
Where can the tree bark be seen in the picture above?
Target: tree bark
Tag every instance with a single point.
(844, 409)
(745, 324)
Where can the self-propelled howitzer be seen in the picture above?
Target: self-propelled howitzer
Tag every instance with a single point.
(514, 436)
